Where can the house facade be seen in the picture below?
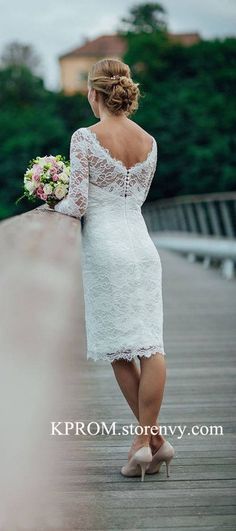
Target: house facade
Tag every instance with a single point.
(75, 65)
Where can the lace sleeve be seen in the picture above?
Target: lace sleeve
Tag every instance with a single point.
(154, 160)
(75, 203)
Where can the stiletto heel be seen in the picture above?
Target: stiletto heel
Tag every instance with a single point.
(139, 461)
(167, 468)
(143, 470)
(165, 453)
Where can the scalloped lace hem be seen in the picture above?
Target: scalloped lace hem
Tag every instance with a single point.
(128, 355)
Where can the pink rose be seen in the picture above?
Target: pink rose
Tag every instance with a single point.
(39, 191)
(41, 194)
(55, 177)
(36, 168)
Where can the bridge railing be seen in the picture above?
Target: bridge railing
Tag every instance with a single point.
(208, 214)
(199, 226)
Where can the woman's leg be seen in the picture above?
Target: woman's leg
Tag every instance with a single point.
(127, 374)
(128, 377)
(151, 390)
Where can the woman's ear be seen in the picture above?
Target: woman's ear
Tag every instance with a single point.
(95, 95)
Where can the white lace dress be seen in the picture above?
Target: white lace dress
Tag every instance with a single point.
(121, 267)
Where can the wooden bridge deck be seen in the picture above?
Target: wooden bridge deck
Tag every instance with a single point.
(200, 341)
(48, 378)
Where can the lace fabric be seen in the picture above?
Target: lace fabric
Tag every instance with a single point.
(92, 163)
(76, 202)
(129, 354)
(121, 267)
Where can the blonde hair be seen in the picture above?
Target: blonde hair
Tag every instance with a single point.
(112, 79)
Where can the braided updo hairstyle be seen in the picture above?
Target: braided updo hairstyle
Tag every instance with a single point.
(112, 79)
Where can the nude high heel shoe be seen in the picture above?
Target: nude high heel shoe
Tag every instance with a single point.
(140, 460)
(165, 453)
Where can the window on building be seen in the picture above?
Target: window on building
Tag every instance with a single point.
(82, 76)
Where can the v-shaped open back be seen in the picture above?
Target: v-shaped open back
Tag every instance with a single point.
(118, 161)
(93, 164)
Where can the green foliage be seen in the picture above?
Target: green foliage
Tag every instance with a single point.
(34, 122)
(145, 18)
(187, 104)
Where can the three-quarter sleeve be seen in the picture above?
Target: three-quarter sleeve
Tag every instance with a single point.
(153, 165)
(76, 201)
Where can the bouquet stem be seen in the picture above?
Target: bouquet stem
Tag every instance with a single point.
(19, 199)
(51, 203)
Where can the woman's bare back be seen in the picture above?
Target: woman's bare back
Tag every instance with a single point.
(124, 139)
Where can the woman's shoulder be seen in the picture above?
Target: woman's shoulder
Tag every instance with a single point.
(129, 126)
(79, 134)
(143, 138)
(81, 131)
(142, 131)
(131, 130)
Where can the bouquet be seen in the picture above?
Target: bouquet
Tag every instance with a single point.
(47, 178)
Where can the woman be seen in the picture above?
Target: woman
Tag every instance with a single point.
(112, 167)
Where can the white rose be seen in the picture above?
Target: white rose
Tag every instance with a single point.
(47, 189)
(64, 177)
(60, 191)
(29, 173)
(30, 186)
(41, 161)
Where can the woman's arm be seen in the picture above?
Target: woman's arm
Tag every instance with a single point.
(76, 201)
(153, 169)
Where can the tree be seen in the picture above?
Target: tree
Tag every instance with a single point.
(17, 54)
(33, 121)
(187, 104)
(189, 107)
(29, 126)
(19, 86)
(145, 18)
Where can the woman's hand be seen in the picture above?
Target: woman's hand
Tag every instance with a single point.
(45, 207)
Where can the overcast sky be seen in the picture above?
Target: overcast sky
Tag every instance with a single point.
(56, 26)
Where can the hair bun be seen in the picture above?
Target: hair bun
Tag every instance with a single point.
(112, 79)
(124, 80)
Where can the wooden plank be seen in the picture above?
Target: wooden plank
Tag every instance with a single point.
(202, 469)
(87, 491)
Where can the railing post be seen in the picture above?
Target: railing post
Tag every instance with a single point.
(211, 206)
(191, 217)
(226, 219)
(183, 224)
(202, 218)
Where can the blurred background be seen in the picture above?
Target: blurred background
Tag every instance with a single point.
(183, 54)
